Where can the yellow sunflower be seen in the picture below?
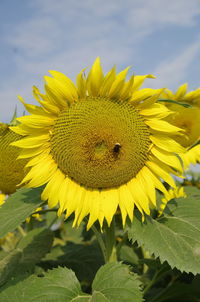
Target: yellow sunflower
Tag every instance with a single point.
(98, 145)
(11, 169)
(187, 119)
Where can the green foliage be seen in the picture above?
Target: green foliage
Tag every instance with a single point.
(59, 284)
(175, 236)
(34, 246)
(113, 283)
(127, 254)
(83, 259)
(17, 208)
(29, 251)
(181, 292)
(48, 260)
(193, 192)
(8, 265)
(72, 234)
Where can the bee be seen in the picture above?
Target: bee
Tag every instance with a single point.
(117, 148)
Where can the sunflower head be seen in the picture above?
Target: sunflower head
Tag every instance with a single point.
(12, 170)
(98, 145)
(187, 118)
(182, 95)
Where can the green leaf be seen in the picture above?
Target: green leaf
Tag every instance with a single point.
(192, 191)
(98, 297)
(17, 208)
(127, 254)
(181, 292)
(35, 245)
(186, 105)
(29, 251)
(175, 236)
(59, 285)
(8, 265)
(68, 233)
(83, 259)
(115, 283)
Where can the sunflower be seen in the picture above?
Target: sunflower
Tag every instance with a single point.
(187, 118)
(12, 170)
(98, 145)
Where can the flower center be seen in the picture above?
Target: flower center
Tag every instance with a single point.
(100, 143)
(12, 170)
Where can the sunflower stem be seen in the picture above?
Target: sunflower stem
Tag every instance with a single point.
(109, 233)
(21, 230)
(100, 241)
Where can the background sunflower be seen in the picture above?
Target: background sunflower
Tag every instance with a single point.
(186, 116)
(12, 170)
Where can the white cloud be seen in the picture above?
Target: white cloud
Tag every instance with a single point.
(67, 35)
(150, 15)
(69, 24)
(171, 72)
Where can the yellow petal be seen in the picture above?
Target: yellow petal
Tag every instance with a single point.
(95, 78)
(95, 202)
(32, 141)
(33, 109)
(162, 126)
(139, 196)
(147, 182)
(19, 130)
(2, 198)
(161, 172)
(127, 89)
(51, 191)
(26, 153)
(40, 173)
(181, 91)
(168, 158)
(43, 156)
(126, 203)
(109, 203)
(139, 80)
(81, 84)
(156, 109)
(107, 82)
(58, 90)
(167, 143)
(118, 84)
(36, 121)
(157, 183)
(64, 187)
(63, 79)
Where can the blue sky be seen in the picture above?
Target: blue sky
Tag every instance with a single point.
(153, 36)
